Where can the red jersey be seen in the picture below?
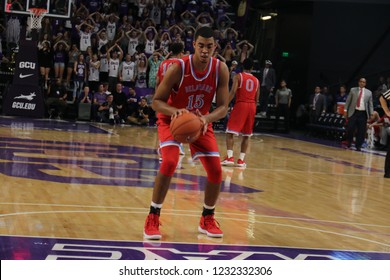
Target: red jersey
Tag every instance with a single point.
(196, 89)
(247, 88)
(162, 69)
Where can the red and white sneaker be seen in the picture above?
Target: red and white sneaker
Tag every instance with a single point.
(209, 226)
(228, 161)
(241, 163)
(152, 224)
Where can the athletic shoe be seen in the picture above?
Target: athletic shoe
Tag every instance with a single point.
(151, 230)
(241, 163)
(209, 226)
(228, 161)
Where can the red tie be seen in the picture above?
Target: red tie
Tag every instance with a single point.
(360, 97)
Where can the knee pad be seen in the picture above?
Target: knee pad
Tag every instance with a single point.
(170, 158)
(212, 165)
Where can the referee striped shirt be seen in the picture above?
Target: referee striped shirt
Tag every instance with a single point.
(386, 95)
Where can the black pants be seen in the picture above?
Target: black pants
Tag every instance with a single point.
(387, 160)
(282, 110)
(358, 122)
(264, 93)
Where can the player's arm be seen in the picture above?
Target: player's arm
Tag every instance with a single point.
(233, 90)
(172, 77)
(258, 92)
(222, 96)
(385, 108)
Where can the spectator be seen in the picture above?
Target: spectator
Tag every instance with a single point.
(317, 105)
(120, 101)
(245, 49)
(141, 115)
(142, 67)
(85, 36)
(113, 65)
(73, 56)
(150, 37)
(267, 80)
(132, 102)
(127, 72)
(60, 49)
(85, 96)
(108, 112)
(341, 97)
(283, 98)
(133, 40)
(45, 61)
(80, 76)
(56, 101)
(154, 63)
(329, 99)
(93, 73)
(99, 98)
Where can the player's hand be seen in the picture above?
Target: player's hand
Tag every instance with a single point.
(203, 120)
(178, 113)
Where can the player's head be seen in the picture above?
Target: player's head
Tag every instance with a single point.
(248, 64)
(204, 44)
(176, 49)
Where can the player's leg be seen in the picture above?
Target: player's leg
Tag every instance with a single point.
(233, 127)
(229, 159)
(169, 150)
(207, 150)
(247, 131)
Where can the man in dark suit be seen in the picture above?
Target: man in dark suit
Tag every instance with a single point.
(317, 105)
(358, 108)
(267, 81)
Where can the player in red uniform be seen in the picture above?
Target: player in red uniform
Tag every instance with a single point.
(191, 85)
(176, 52)
(247, 91)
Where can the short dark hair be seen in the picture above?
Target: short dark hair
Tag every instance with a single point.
(205, 32)
(248, 64)
(176, 48)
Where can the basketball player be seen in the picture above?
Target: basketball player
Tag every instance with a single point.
(383, 99)
(176, 52)
(190, 85)
(247, 91)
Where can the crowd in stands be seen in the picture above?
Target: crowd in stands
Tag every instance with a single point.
(117, 46)
(108, 52)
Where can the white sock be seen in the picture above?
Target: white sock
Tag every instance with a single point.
(242, 156)
(208, 207)
(229, 153)
(155, 205)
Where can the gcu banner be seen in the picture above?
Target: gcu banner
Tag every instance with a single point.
(24, 101)
(24, 96)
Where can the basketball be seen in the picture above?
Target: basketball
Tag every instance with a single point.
(186, 128)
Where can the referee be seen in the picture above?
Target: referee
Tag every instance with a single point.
(383, 100)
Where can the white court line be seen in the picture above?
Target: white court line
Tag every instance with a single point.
(189, 211)
(190, 215)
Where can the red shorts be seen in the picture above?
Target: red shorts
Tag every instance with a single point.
(241, 119)
(205, 146)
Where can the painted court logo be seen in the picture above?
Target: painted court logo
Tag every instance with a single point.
(29, 248)
(111, 165)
